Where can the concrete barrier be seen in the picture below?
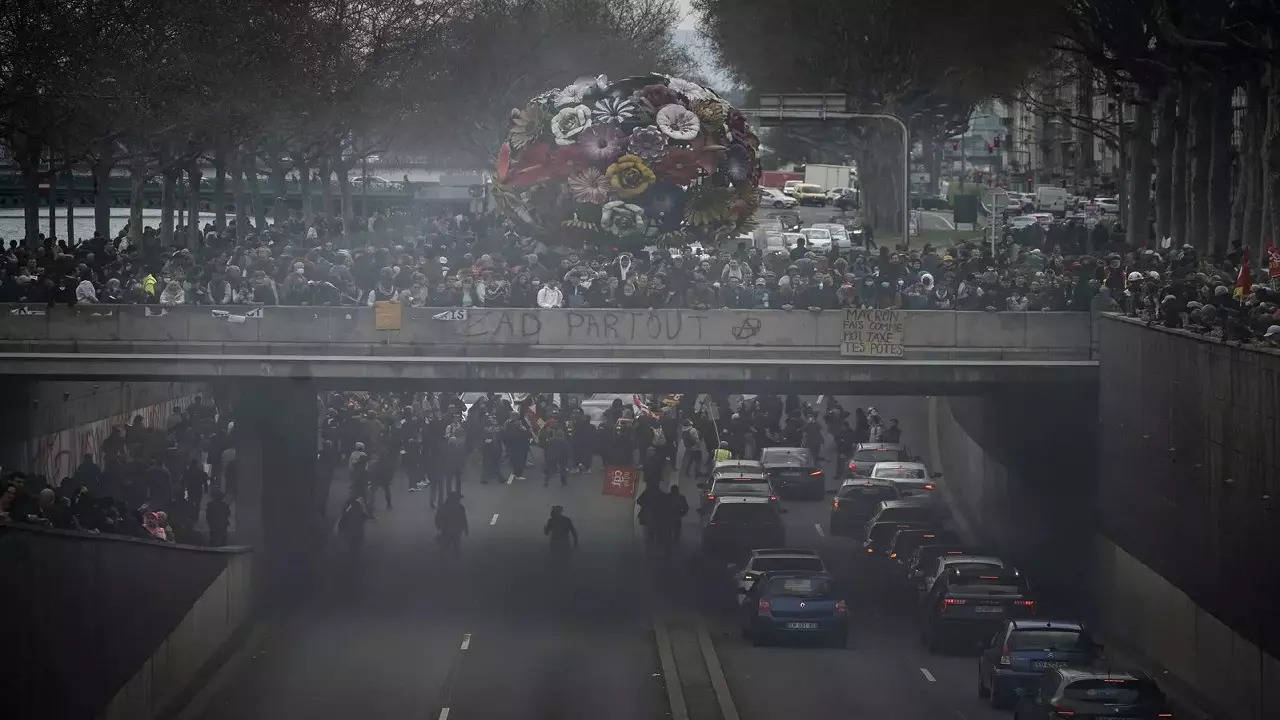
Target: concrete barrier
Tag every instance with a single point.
(353, 330)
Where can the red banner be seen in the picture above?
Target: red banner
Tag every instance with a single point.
(620, 480)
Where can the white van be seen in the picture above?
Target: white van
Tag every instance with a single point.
(1052, 199)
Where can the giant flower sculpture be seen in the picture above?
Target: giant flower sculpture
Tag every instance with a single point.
(645, 159)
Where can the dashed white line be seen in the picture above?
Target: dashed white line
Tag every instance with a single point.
(818, 527)
(928, 675)
(494, 520)
(444, 714)
(466, 642)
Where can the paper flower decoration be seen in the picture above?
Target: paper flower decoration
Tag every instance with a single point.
(678, 122)
(601, 143)
(654, 158)
(647, 142)
(589, 186)
(629, 176)
(621, 218)
(614, 110)
(568, 122)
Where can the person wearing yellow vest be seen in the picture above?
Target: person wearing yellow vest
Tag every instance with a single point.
(722, 452)
(149, 284)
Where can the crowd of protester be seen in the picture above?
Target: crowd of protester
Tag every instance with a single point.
(144, 482)
(465, 261)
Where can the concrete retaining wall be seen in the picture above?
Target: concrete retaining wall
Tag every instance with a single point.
(85, 612)
(217, 615)
(325, 329)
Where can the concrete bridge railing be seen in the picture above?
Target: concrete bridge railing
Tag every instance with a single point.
(923, 335)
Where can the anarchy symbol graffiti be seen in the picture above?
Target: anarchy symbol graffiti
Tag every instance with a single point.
(749, 328)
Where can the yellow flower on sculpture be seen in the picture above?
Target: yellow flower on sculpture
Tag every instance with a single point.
(629, 176)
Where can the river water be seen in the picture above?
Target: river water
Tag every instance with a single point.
(13, 228)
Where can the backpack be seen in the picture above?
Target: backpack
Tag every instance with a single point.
(659, 438)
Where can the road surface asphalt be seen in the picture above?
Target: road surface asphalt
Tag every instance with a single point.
(405, 632)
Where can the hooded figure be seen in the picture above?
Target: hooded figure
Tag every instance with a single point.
(86, 293)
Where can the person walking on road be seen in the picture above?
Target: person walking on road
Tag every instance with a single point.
(679, 507)
(491, 452)
(813, 438)
(560, 530)
(692, 451)
(654, 466)
(384, 468)
(515, 438)
(451, 523)
(555, 452)
(649, 502)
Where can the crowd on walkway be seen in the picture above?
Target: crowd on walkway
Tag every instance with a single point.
(144, 482)
(433, 438)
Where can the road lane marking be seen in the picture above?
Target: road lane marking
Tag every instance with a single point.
(818, 527)
(444, 714)
(728, 711)
(928, 675)
(670, 676)
(494, 520)
(466, 642)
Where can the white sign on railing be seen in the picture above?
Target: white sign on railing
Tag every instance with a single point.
(871, 333)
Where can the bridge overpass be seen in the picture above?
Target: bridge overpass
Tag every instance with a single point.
(938, 352)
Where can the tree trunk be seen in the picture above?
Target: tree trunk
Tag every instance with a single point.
(220, 187)
(193, 192)
(241, 218)
(1122, 171)
(137, 183)
(1138, 232)
(69, 180)
(250, 169)
(168, 203)
(102, 194)
(1181, 141)
(53, 200)
(1271, 158)
(348, 212)
(1087, 164)
(279, 208)
(1166, 120)
(1221, 158)
(1201, 155)
(326, 190)
(304, 186)
(183, 204)
(1256, 127)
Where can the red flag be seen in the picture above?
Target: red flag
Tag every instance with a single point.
(1244, 280)
(620, 480)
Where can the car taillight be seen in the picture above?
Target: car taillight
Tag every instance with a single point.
(815, 473)
(1025, 603)
(841, 608)
(835, 503)
(763, 605)
(871, 549)
(710, 497)
(773, 498)
(893, 555)
(928, 486)
(1060, 712)
(853, 465)
(952, 602)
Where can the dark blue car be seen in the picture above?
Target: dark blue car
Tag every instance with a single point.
(1020, 652)
(795, 604)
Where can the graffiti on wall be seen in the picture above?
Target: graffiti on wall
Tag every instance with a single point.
(56, 455)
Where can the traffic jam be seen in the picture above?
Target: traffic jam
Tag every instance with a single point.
(894, 537)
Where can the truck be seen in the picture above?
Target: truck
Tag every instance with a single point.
(829, 177)
(1052, 199)
(778, 178)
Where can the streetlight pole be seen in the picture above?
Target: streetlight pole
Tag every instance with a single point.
(906, 168)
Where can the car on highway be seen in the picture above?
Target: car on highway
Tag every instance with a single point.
(906, 540)
(789, 187)
(1021, 222)
(839, 234)
(791, 239)
(751, 484)
(877, 535)
(816, 238)
(736, 465)
(794, 471)
(923, 557)
(1093, 693)
(866, 455)
(948, 562)
(1018, 654)
(795, 604)
(1107, 205)
(762, 560)
(809, 194)
(968, 604)
(915, 509)
(773, 197)
(736, 523)
(843, 198)
(911, 478)
(857, 500)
